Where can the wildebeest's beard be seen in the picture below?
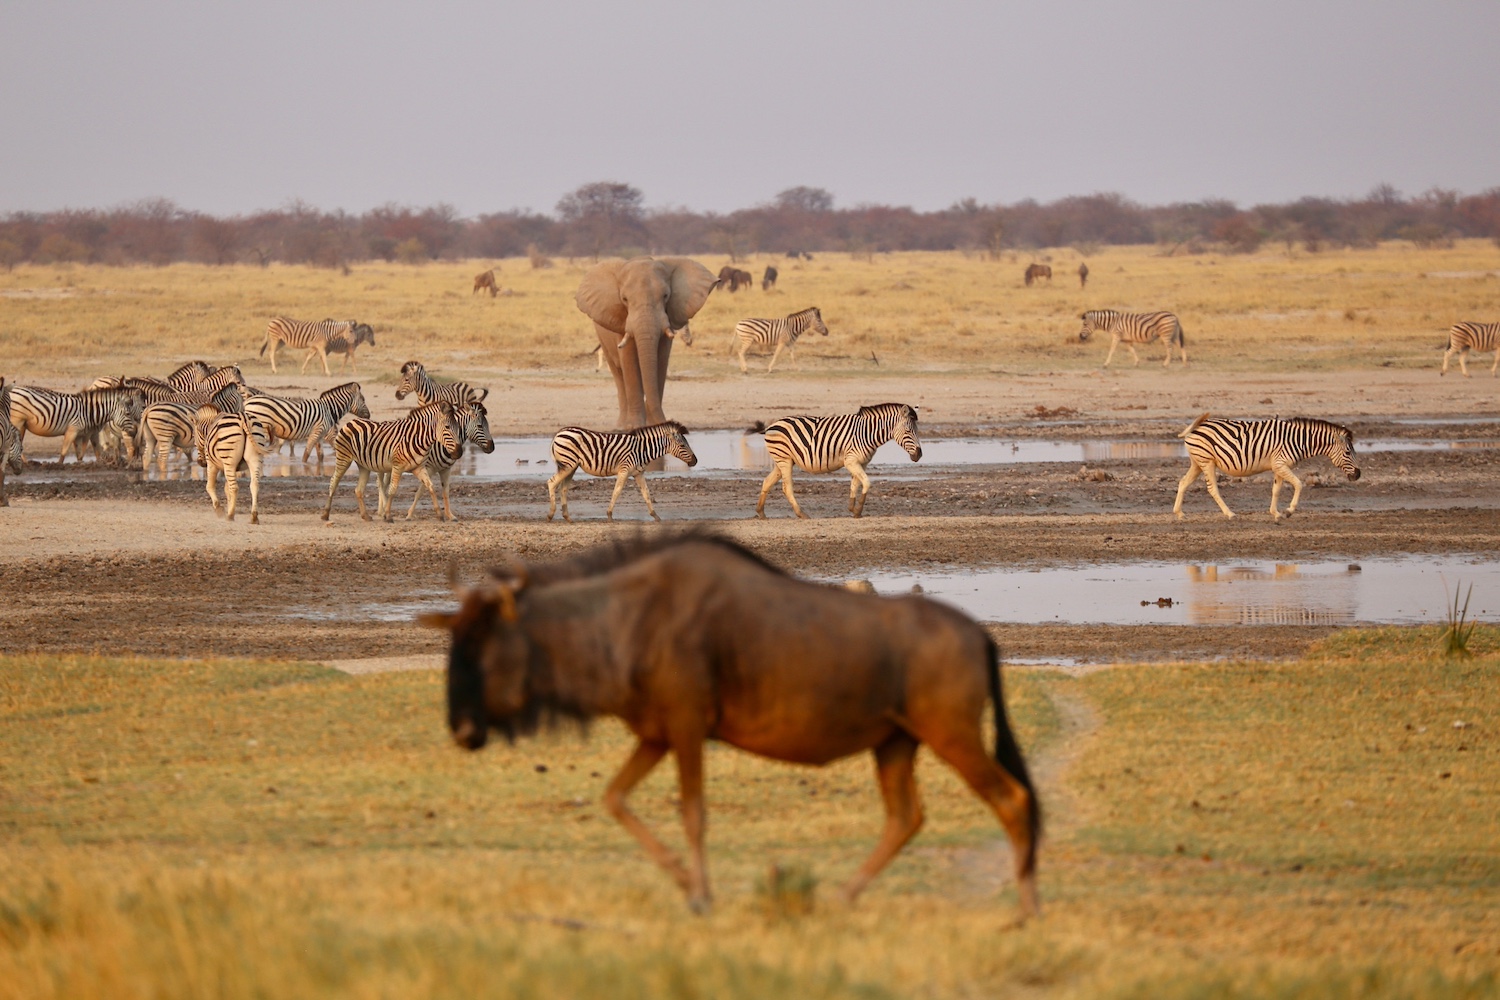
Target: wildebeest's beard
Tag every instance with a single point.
(466, 711)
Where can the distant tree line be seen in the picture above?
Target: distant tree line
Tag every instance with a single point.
(609, 218)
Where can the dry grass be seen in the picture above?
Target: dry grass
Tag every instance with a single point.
(269, 829)
(914, 311)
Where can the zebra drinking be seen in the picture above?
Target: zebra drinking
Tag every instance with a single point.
(390, 446)
(475, 423)
(1132, 329)
(414, 379)
(823, 444)
(229, 443)
(763, 334)
(621, 454)
(294, 418)
(74, 415)
(1248, 447)
(1466, 337)
(317, 338)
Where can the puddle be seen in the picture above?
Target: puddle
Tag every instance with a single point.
(1376, 591)
(733, 451)
(403, 610)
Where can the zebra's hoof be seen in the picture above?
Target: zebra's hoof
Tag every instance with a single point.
(655, 518)
(254, 518)
(760, 515)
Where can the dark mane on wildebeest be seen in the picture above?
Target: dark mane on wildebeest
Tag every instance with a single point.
(653, 632)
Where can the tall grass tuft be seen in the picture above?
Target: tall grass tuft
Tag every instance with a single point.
(1455, 639)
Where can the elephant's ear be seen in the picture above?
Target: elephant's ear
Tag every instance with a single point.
(599, 296)
(691, 282)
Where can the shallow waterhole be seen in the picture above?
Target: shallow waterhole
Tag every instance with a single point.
(727, 452)
(1406, 591)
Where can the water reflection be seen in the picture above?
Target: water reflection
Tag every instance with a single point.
(1281, 595)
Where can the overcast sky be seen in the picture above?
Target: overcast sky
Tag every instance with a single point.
(228, 108)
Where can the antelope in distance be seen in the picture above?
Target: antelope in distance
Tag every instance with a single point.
(485, 281)
(656, 634)
(1035, 272)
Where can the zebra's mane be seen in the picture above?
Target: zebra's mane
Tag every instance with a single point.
(803, 312)
(1320, 422)
(673, 424)
(612, 555)
(875, 408)
(325, 394)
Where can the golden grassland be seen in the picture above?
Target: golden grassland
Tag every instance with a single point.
(235, 829)
(1339, 309)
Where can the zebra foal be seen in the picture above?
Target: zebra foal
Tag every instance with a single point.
(414, 379)
(394, 447)
(229, 443)
(316, 338)
(293, 418)
(823, 444)
(1248, 447)
(780, 334)
(1134, 328)
(1466, 337)
(621, 454)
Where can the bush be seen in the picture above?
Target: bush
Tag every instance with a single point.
(412, 251)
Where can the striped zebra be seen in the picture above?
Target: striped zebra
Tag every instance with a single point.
(823, 444)
(782, 334)
(621, 454)
(228, 443)
(10, 443)
(474, 423)
(414, 379)
(315, 337)
(72, 415)
(172, 425)
(1466, 337)
(1248, 447)
(293, 418)
(393, 446)
(188, 375)
(1134, 328)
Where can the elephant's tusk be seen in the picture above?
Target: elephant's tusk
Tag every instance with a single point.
(621, 345)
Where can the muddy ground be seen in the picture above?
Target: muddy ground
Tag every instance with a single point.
(100, 559)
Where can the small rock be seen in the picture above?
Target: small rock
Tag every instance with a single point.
(541, 769)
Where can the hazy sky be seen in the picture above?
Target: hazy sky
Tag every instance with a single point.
(228, 108)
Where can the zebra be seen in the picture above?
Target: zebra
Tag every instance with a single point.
(292, 418)
(344, 343)
(188, 375)
(172, 425)
(1248, 447)
(394, 446)
(229, 443)
(10, 443)
(823, 444)
(72, 415)
(1466, 337)
(1134, 328)
(474, 421)
(783, 333)
(414, 379)
(315, 337)
(621, 454)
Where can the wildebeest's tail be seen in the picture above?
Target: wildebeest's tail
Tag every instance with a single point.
(1008, 754)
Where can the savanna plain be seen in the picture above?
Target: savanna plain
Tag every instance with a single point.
(199, 798)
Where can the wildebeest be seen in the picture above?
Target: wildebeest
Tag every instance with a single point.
(768, 281)
(1083, 274)
(731, 277)
(486, 280)
(1035, 271)
(655, 633)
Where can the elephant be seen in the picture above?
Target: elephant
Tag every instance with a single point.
(637, 306)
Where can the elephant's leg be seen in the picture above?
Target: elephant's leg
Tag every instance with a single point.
(625, 371)
(654, 412)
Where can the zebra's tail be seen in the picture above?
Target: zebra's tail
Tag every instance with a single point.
(1193, 426)
(1181, 340)
(1008, 755)
(264, 346)
(759, 427)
